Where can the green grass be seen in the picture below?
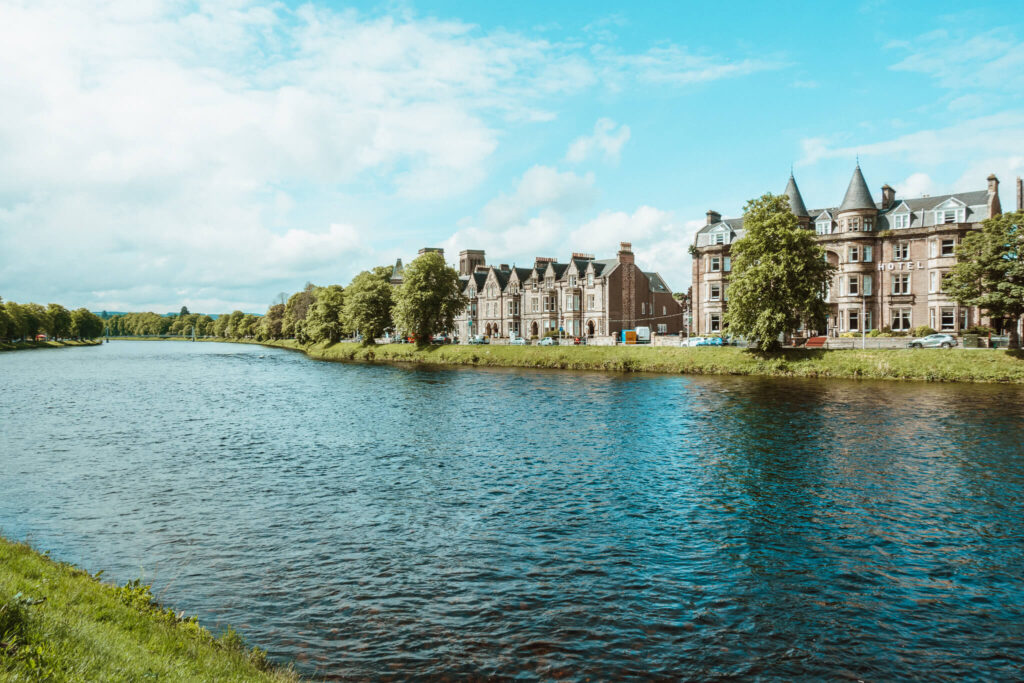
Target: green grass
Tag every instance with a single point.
(25, 345)
(931, 365)
(59, 623)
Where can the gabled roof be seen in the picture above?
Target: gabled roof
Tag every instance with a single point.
(796, 202)
(502, 277)
(858, 196)
(480, 278)
(823, 214)
(559, 269)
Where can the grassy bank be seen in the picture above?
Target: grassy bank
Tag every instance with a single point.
(931, 365)
(59, 623)
(26, 345)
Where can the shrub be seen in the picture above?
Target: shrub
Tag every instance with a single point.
(922, 331)
(980, 330)
(850, 334)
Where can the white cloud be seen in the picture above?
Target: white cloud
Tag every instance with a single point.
(152, 146)
(916, 185)
(992, 60)
(606, 141)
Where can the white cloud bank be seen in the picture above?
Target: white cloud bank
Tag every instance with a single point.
(607, 141)
(153, 151)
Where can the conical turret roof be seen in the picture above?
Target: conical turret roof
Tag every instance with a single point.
(858, 196)
(796, 202)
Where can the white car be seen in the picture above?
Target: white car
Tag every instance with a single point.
(549, 341)
(692, 341)
(517, 341)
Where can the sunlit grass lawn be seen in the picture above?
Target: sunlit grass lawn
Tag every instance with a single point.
(59, 623)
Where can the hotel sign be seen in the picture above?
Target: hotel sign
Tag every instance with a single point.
(901, 265)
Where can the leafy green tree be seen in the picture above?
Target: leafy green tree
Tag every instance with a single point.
(35, 318)
(989, 272)
(19, 324)
(85, 324)
(234, 330)
(324, 321)
(779, 275)
(183, 312)
(429, 298)
(295, 311)
(6, 324)
(58, 321)
(368, 303)
(220, 325)
(272, 323)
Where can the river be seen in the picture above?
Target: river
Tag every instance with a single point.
(373, 521)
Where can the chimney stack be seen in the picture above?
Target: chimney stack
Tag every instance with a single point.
(994, 208)
(714, 217)
(626, 252)
(888, 196)
(1020, 194)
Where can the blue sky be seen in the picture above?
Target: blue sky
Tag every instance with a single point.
(155, 153)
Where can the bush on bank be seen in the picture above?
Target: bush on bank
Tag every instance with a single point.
(59, 623)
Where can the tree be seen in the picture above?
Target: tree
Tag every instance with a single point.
(85, 324)
(6, 323)
(19, 324)
(220, 325)
(58, 321)
(183, 312)
(273, 321)
(429, 298)
(324, 321)
(368, 303)
(779, 275)
(989, 272)
(295, 311)
(234, 324)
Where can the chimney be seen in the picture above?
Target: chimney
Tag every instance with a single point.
(626, 252)
(994, 208)
(888, 196)
(503, 266)
(1020, 194)
(713, 217)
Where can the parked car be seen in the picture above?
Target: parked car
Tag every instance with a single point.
(479, 339)
(711, 341)
(549, 341)
(933, 341)
(692, 341)
(517, 341)
(440, 339)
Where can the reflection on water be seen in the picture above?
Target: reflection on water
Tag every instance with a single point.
(376, 521)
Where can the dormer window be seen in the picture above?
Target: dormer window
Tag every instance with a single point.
(852, 224)
(590, 279)
(949, 216)
(902, 221)
(718, 238)
(823, 227)
(572, 280)
(869, 225)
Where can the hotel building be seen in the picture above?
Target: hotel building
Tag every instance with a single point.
(890, 256)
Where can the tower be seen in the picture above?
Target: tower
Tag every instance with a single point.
(796, 203)
(469, 259)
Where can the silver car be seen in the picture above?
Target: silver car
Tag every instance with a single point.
(933, 341)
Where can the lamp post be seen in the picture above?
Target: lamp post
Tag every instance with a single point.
(863, 322)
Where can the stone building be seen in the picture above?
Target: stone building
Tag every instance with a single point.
(891, 256)
(583, 296)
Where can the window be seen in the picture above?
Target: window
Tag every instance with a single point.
(869, 225)
(948, 318)
(534, 305)
(933, 248)
(714, 322)
(931, 318)
(866, 282)
(715, 291)
(901, 319)
(549, 282)
(868, 321)
(854, 289)
(947, 216)
(854, 320)
(867, 254)
(823, 227)
(664, 310)
(662, 328)
(727, 264)
(901, 251)
(590, 279)
(901, 283)
(902, 221)
(725, 292)
(715, 264)
(472, 292)
(718, 238)
(933, 279)
(853, 254)
(963, 319)
(643, 308)
(590, 302)
(948, 247)
(572, 280)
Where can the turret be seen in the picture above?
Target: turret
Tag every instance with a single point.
(858, 211)
(796, 203)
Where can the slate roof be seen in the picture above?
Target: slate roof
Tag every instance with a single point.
(796, 202)
(858, 196)
(559, 269)
(657, 284)
(481, 279)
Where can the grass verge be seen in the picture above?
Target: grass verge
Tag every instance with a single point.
(26, 345)
(59, 623)
(930, 365)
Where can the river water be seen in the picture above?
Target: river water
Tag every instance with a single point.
(374, 521)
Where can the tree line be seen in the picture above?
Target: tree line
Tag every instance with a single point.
(426, 303)
(20, 322)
